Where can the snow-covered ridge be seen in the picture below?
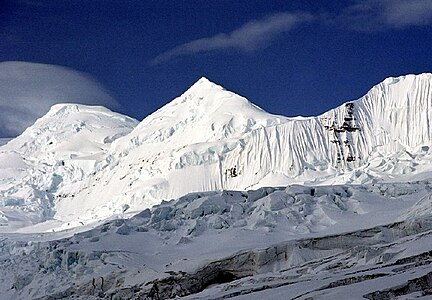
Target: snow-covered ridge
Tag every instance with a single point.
(212, 139)
(79, 165)
(72, 130)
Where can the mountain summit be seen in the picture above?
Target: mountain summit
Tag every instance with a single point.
(205, 112)
(212, 139)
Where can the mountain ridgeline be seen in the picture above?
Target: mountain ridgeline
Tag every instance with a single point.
(212, 139)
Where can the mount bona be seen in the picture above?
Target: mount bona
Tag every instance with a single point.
(80, 164)
(210, 197)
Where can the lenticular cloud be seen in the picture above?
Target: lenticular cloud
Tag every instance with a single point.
(28, 90)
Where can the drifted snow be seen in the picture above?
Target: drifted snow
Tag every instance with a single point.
(266, 238)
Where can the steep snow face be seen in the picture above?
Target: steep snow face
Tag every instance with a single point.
(212, 139)
(60, 149)
(384, 134)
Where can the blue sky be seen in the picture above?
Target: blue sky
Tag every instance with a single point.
(289, 57)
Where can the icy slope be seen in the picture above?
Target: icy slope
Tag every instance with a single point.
(319, 240)
(212, 139)
(61, 148)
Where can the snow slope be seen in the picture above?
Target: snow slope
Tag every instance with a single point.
(212, 139)
(61, 148)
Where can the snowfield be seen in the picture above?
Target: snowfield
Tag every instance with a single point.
(210, 197)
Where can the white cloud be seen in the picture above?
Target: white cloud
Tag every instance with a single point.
(364, 15)
(401, 13)
(386, 14)
(248, 37)
(28, 90)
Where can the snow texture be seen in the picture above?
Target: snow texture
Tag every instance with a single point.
(210, 139)
(217, 245)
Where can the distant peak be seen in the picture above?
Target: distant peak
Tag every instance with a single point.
(203, 81)
(68, 108)
(56, 108)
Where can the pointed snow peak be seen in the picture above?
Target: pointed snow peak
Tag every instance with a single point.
(203, 86)
(210, 97)
(204, 93)
(205, 112)
(204, 80)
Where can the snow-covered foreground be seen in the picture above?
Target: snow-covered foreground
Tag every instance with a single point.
(278, 243)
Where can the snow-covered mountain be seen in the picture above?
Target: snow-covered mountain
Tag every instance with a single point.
(212, 139)
(61, 148)
(211, 197)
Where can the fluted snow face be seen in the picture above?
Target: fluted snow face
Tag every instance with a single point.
(399, 110)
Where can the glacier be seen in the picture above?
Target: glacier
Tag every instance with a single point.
(211, 197)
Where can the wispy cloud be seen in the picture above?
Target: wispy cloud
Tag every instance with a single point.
(249, 37)
(377, 15)
(401, 13)
(28, 90)
(364, 15)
